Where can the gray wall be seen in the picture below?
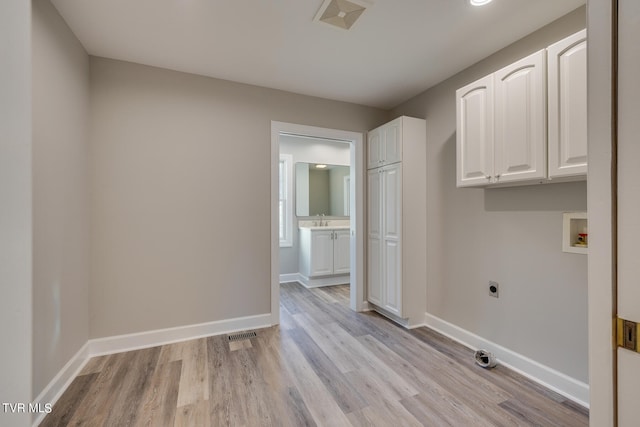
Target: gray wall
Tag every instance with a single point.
(15, 213)
(512, 236)
(309, 151)
(60, 194)
(337, 192)
(181, 195)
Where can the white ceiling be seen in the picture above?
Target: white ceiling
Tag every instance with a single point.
(397, 49)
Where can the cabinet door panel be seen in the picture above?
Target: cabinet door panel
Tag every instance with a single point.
(567, 70)
(341, 249)
(521, 140)
(392, 201)
(392, 232)
(392, 277)
(374, 271)
(321, 253)
(392, 141)
(374, 148)
(374, 203)
(374, 236)
(474, 136)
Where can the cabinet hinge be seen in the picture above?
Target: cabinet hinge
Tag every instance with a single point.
(627, 334)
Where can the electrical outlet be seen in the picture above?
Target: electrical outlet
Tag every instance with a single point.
(494, 288)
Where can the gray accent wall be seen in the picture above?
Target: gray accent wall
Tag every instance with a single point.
(180, 168)
(510, 235)
(60, 194)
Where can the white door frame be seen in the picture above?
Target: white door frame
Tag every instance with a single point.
(600, 208)
(356, 143)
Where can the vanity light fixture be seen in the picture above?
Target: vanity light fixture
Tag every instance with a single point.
(479, 2)
(321, 166)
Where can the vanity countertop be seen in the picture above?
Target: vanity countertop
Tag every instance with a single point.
(325, 227)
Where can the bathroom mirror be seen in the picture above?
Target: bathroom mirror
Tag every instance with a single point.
(322, 189)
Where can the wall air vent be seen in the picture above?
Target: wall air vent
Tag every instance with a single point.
(341, 13)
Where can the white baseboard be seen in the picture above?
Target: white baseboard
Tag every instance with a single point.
(406, 323)
(289, 277)
(310, 283)
(52, 392)
(565, 385)
(137, 341)
(121, 343)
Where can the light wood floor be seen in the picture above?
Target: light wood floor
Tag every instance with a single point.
(324, 365)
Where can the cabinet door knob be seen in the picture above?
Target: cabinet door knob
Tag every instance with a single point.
(498, 176)
(488, 177)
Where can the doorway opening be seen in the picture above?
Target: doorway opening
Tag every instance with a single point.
(282, 213)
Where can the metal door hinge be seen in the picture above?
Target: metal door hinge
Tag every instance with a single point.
(627, 335)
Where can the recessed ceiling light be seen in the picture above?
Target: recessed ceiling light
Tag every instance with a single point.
(321, 166)
(479, 2)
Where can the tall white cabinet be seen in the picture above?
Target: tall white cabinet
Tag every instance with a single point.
(527, 122)
(396, 220)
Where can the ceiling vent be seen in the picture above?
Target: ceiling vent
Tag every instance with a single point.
(341, 13)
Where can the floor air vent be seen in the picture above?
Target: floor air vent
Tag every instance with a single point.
(242, 336)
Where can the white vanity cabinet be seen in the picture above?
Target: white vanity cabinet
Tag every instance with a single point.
(396, 226)
(324, 252)
(525, 123)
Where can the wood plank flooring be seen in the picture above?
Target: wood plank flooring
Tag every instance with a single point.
(323, 366)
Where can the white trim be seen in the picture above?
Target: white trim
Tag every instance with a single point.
(137, 341)
(404, 322)
(356, 142)
(52, 392)
(289, 277)
(563, 384)
(310, 283)
(140, 340)
(288, 222)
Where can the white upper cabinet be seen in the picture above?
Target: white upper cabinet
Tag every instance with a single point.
(520, 120)
(384, 145)
(374, 148)
(567, 94)
(393, 142)
(474, 139)
(526, 123)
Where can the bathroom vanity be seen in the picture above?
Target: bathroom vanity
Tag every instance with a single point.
(324, 255)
